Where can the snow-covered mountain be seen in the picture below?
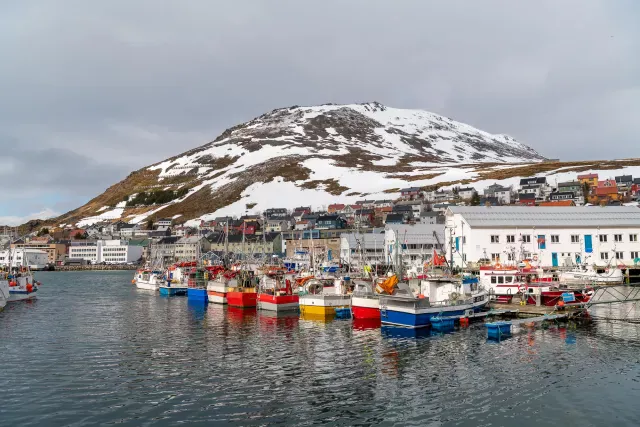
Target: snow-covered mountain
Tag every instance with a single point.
(311, 156)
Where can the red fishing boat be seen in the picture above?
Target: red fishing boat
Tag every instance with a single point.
(276, 293)
(245, 293)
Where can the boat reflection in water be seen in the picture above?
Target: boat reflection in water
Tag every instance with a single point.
(366, 324)
(197, 309)
(272, 321)
(317, 317)
(240, 315)
(390, 331)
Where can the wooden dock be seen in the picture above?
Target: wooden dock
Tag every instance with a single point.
(533, 310)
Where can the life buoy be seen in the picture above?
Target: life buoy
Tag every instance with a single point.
(535, 257)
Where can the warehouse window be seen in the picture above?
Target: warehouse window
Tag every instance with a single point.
(604, 255)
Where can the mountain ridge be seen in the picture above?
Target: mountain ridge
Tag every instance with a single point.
(314, 155)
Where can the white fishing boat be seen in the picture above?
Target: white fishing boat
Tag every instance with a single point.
(4, 293)
(22, 286)
(586, 275)
(149, 279)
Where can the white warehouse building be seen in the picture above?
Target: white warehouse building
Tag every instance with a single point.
(550, 236)
(34, 258)
(107, 251)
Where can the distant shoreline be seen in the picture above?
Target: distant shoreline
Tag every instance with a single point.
(94, 268)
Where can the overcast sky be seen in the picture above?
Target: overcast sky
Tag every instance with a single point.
(91, 90)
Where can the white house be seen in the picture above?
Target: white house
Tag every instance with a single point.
(552, 236)
(466, 193)
(503, 194)
(34, 258)
(413, 243)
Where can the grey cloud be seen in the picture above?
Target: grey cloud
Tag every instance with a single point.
(130, 83)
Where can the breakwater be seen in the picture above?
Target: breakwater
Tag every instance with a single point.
(95, 268)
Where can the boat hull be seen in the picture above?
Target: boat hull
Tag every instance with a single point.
(278, 303)
(172, 291)
(21, 296)
(242, 299)
(400, 313)
(365, 308)
(146, 286)
(217, 297)
(551, 298)
(194, 294)
(323, 305)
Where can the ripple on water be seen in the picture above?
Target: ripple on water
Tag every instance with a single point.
(95, 351)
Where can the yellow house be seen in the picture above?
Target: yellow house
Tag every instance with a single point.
(591, 178)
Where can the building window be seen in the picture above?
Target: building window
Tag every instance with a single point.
(604, 255)
(511, 238)
(603, 238)
(633, 237)
(634, 255)
(495, 257)
(619, 255)
(555, 238)
(617, 237)
(464, 257)
(575, 238)
(511, 257)
(526, 238)
(495, 239)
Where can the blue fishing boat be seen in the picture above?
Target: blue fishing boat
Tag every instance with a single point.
(439, 297)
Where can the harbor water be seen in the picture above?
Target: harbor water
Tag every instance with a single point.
(94, 350)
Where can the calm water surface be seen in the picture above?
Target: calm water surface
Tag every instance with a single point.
(93, 350)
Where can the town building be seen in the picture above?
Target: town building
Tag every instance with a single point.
(466, 193)
(414, 244)
(270, 243)
(605, 192)
(431, 217)
(164, 222)
(56, 252)
(589, 178)
(190, 248)
(624, 182)
(33, 258)
(327, 222)
(107, 251)
(359, 249)
(410, 193)
(527, 199)
(551, 236)
(164, 251)
(501, 193)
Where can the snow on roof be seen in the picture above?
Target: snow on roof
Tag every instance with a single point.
(557, 216)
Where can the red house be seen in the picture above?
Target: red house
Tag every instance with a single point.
(336, 207)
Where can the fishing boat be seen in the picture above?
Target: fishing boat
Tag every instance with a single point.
(439, 297)
(197, 284)
(221, 281)
(149, 279)
(245, 293)
(4, 291)
(276, 293)
(321, 296)
(365, 301)
(175, 279)
(22, 287)
(586, 275)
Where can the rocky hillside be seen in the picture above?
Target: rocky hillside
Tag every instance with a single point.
(312, 156)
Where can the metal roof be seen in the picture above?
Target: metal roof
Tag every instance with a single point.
(568, 217)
